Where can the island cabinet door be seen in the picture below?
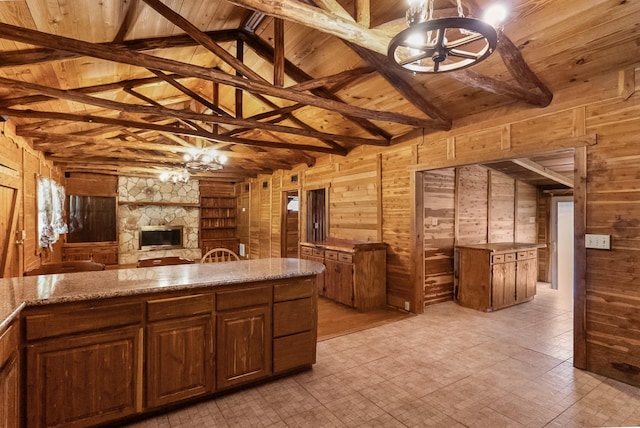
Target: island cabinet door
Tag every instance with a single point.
(503, 287)
(84, 380)
(179, 360)
(180, 348)
(243, 338)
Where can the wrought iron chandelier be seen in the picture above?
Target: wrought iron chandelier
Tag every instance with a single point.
(445, 44)
(197, 160)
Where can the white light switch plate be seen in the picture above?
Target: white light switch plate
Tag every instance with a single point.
(600, 242)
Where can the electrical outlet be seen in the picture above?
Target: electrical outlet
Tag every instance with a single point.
(241, 250)
(407, 307)
(434, 221)
(599, 242)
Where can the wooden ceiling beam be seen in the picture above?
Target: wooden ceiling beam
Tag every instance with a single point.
(265, 51)
(401, 82)
(544, 171)
(72, 95)
(121, 55)
(278, 52)
(170, 129)
(334, 79)
(42, 55)
(204, 40)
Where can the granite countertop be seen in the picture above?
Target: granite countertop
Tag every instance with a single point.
(15, 293)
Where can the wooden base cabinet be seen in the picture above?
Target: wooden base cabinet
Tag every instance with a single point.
(96, 362)
(495, 276)
(356, 273)
(9, 378)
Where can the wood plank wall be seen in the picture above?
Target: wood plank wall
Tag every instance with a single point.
(20, 166)
(439, 234)
(487, 206)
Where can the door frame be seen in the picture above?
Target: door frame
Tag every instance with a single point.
(580, 226)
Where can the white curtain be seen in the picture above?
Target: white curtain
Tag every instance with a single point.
(51, 217)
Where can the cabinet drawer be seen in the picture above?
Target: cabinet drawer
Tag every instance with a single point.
(298, 350)
(510, 257)
(291, 317)
(243, 298)
(331, 255)
(178, 307)
(83, 319)
(497, 258)
(317, 252)
(8, 343)
(293, 290)
(345, 257)
(306, 251)
(529, 254)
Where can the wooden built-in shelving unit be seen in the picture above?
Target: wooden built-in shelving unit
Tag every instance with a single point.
(217, 219)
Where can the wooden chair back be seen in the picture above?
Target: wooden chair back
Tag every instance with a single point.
(164, 261)
(219, 255)
(65, 267)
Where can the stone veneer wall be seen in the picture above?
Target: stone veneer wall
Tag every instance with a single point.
(154, 192)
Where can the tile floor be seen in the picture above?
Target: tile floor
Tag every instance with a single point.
(451, 367)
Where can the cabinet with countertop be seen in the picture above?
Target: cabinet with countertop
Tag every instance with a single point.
(136, 349)
(356, 273)
(494, 276)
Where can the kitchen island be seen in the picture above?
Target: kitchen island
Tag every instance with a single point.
(99, 347)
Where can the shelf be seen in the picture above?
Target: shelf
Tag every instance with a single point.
(217, 227)
(160, 204)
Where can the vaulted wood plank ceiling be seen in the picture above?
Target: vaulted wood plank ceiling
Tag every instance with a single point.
(128, 86)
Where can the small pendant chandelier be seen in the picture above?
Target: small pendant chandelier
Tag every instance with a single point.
(446, 44)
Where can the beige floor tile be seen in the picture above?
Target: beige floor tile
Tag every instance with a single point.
(354, 410)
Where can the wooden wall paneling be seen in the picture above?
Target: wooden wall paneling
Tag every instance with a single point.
(438, 219)
(88, 184)
(396, 217)
(480, 144)
(501, 207)
(265, 185)
(254, 220)
(353, 200)
(525, 218)
(276, 211)
(471, 209)
(543, 216)
(243, 215)
(437, 151)
(543, 129)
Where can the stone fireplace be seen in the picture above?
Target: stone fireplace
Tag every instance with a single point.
(147, 203)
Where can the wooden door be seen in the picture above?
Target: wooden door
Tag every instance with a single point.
(84, 380)
(9, 211)
(338, 282)
(179, 360)
(290, 236)
(244, 346)
(503, 285)
(10, 395)
(316, 215)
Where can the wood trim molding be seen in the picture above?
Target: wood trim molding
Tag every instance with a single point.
(580, 259)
